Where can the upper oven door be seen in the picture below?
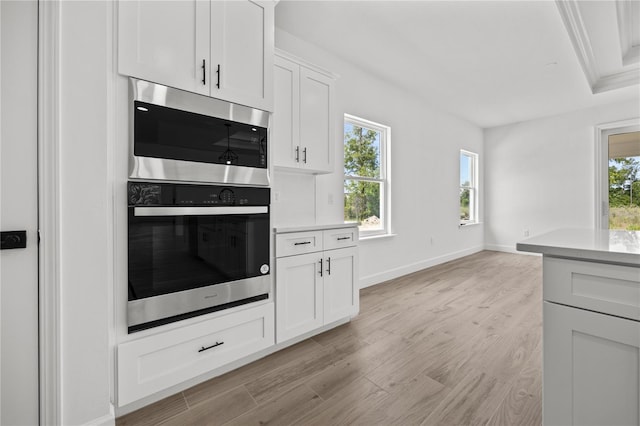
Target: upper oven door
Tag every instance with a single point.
(177, 248)
(183, 136)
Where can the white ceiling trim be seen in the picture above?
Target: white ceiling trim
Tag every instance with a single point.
(626, 12)
(616, 81)
(570, 13)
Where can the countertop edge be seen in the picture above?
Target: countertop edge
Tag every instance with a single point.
(289, 229)
(630, 259)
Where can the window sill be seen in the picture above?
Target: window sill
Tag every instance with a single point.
(470, 224)
(377, 237)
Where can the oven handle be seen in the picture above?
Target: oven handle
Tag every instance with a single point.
(198, 211)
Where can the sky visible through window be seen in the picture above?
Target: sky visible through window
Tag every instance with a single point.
(465, 169)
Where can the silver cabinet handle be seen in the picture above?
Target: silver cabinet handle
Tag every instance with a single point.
(329, 265)
(302, 243)
(304, 159)
(344, 238)
(297, 154)
(320, 261)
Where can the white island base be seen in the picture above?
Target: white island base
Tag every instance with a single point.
(591, 336)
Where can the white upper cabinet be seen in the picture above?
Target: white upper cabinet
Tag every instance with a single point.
(242, 37)
(285, 129)
(222, 49)
(316, 121)
(302, 130)
(164, 42)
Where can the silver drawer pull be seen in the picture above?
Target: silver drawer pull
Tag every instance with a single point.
(202, 349)
(344, 238)
(302, 243)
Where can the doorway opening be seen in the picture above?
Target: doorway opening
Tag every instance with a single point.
(624, 181)
(618, 176)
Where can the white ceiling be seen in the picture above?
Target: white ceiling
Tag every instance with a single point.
(490, 62)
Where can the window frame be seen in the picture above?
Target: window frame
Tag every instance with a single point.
(472, 187)
(385, 172)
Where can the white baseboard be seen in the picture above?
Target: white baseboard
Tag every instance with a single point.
(414, 267)
(507, 249)
(106, 420)
(501, 247)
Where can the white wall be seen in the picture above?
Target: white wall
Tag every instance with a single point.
(86, 268)
(540, 174)
(425, 145)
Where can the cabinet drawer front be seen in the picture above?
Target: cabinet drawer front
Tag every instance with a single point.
(157, 362)
(338, 238)
(599, 287)
(298, 243)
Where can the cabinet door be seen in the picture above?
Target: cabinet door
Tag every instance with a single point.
(242, 37)
(298, 295)
(591, 368)
(316, 121)
(164, 42)
(285, 129)
(340, 284)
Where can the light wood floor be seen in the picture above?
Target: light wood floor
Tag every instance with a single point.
(456, 344)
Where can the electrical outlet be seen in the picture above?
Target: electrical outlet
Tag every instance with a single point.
(330, 199)
(276, 197)
(525, 232)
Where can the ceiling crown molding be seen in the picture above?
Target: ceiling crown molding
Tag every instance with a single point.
(578, 34)
(628, 11)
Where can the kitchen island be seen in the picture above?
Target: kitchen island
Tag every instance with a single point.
(591, 326)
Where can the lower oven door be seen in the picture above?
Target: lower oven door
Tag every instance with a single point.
(185, 261)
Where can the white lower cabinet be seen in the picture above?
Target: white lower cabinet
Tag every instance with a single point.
(591, 343)
(299, 299)
(591, 368)
(340, 288)
(317, 288)
(157, 362)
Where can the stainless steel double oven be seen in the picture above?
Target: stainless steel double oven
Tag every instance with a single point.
(198, 205)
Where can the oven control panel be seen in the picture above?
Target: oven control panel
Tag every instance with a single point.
(171, 194)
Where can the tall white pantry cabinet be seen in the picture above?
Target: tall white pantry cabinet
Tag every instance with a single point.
(222, 49)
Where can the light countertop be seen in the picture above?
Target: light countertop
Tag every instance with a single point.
(282, 230)
(598, 245)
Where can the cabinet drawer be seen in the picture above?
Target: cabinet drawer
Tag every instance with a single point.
(599, 287)
(338, 238)
(157, 362)
(298, 243)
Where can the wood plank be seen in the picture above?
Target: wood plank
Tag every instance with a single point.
(471, 402)
(155, 413)
(280, 380)
(411, 404)
(283, 410)
(215, 411)
(346, 406)
(341, 374)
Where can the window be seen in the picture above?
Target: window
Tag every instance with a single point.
(366, 175)
(468, 187)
